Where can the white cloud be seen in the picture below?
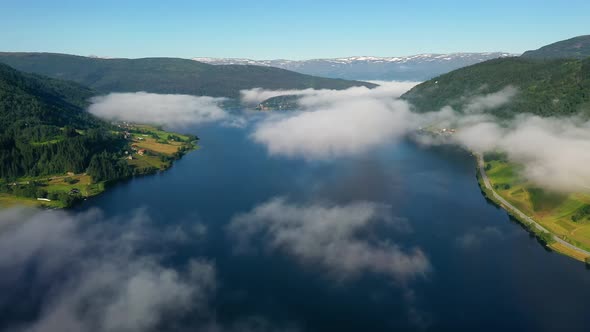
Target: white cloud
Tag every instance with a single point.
(339, 123)
(553, 151)
(492, 100)
(345, 129)
(96, 275)
(162, 109)
(386, 89)
(328, 236)
(257, 95)
(84, 272)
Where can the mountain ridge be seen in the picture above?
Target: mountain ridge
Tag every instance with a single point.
(553, 87)
(408, 68)
(166, 75)
(574, 48)
(426, 56)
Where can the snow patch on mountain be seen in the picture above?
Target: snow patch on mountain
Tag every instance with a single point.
(412, 68)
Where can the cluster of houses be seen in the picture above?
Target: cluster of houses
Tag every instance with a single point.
(135, 149)
(123, 124)
(129, 136)
(438, 131)
(446, 131)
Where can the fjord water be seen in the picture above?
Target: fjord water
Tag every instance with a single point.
(487, 273)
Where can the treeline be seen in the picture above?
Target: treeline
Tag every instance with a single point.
(107, 166)
(24, 153)
(581, 214)
(182, 150)
(44, 130)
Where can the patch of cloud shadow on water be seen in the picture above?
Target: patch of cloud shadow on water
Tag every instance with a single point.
(367, 178)
(475, 238)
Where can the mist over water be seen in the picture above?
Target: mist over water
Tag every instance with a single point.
(342, 208)
(410, 243)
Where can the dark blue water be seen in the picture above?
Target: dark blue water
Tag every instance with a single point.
(487, 273)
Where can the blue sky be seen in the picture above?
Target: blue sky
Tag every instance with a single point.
(286, 29)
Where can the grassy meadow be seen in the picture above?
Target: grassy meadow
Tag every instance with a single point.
(562, 214)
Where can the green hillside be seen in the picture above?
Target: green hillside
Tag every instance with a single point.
(574, 48)
(33, 99)
(52, 149)
(44, 128)
(284, 102)
(553, 80)
(545, 87)
(166, 75)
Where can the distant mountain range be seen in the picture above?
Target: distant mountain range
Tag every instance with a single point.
(167, 75)
(408, 68)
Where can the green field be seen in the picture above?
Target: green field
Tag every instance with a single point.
(554, 211)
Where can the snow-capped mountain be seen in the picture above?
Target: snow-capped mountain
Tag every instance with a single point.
(416, 67)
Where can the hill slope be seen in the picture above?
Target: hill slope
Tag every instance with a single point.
(545, 87)
(41, 121)
(40, 100)
(406, 68)
(45, 133)
(574, 48)
(166, 75)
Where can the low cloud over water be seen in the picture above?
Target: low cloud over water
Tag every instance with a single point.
(162, 109)
(338, 123)
(553, 151)
(90, 274)
(342, 123)
(327, 236)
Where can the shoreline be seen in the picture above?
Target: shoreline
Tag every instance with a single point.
(547, 238)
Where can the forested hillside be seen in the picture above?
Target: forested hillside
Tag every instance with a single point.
(38, 121)
(167, 75)
(545, 87)
(45, 134)
(573, 48)
(551, 81)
